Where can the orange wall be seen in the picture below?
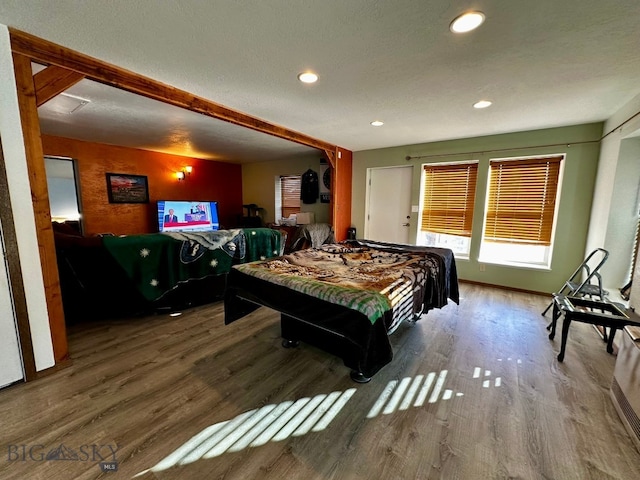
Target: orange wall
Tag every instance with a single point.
(210, 181)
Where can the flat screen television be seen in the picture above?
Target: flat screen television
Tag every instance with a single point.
(187, 216)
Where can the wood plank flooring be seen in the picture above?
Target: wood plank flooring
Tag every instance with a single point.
(474, 392)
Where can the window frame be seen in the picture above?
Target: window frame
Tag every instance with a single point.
(444, 236)
(280, 199)
(539, 249)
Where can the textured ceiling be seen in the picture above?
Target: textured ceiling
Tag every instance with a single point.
(118, 117)
(544, 64)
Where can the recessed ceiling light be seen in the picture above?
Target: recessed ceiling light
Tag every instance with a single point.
(467, 22)
(482, 104)
(308, 77)
(377, 123)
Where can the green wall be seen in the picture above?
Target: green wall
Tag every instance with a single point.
(258, 184)
(579, 143)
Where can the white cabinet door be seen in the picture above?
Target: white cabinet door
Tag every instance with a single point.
(10, 358)
(389, 204)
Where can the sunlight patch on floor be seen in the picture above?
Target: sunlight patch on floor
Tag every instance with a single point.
(275, 423)
(411, 392)
(414, 392)
(257, 427)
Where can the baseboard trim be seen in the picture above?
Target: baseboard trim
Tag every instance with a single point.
(503, 287)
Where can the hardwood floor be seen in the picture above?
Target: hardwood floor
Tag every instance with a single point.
(474, 392)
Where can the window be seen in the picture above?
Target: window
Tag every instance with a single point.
(287, 195)
(448, 196)
(62, 185)
(520, 212)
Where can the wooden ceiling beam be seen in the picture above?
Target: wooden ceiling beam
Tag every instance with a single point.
(52, 81)
(49, 53)
(330, 155)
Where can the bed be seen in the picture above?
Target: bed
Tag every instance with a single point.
(345, 298)
(112, 276)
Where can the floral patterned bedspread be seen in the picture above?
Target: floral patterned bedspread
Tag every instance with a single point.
(371, 279)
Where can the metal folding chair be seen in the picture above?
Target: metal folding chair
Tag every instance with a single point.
(591, 283)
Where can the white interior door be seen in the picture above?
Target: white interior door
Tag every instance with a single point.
(389, 204)
(10, 358)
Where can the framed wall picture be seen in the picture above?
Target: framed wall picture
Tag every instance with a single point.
(124, 188)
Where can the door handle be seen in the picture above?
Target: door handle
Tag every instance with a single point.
(405, 224)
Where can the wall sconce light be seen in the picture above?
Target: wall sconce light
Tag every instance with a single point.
(182, 174)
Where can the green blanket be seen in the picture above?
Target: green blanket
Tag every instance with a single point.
(158, 263)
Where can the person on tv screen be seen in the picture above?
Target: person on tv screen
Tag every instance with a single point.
(199, 212)
(199, 208)
(171, 218)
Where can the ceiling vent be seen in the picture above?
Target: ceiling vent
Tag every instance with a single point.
(65, 104)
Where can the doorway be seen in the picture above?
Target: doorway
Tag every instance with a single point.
(388, 212)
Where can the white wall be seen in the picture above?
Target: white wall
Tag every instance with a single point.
(10, 358)
(623, 217)
(615, 202)
(20, 194)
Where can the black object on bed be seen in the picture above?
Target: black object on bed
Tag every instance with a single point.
(107, 277)
(346, 298)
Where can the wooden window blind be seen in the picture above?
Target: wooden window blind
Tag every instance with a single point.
(449, 195)
(522, 200)
(290, 188)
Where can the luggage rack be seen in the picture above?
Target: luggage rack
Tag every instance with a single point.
(589, 271)
(579, 309)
